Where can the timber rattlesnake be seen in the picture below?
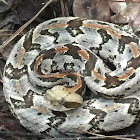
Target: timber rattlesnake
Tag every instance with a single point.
(73, 75)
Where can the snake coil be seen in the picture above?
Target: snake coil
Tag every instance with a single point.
(73, 75)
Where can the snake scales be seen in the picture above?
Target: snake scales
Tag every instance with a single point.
(73, 75)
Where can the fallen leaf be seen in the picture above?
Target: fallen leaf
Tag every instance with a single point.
(92, 9)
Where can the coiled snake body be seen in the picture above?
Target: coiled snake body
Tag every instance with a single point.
(74, 75)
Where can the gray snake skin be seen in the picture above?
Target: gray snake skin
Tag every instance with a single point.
(74, 75)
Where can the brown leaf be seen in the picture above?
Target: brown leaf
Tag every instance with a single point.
(127, 15)
(117, 7)
(92, 9)
(8, 122)
(136, 23)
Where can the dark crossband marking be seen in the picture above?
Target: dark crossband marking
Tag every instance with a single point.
(134, 62)
(112, 81)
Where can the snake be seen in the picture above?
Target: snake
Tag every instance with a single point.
(74, 75)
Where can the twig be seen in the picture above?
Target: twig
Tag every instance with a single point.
(20, 134)
(6, 30)
(4, 2)
(6, 34)
(114, 137)
(130, 1)
(62, 7)
(25, 25)
(1, 81)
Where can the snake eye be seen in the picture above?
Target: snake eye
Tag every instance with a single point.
(59, 99)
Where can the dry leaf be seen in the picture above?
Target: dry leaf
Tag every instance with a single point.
(117, 7)
(92, 9)
(127, 15)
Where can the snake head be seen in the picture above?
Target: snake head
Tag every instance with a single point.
(59, 99)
